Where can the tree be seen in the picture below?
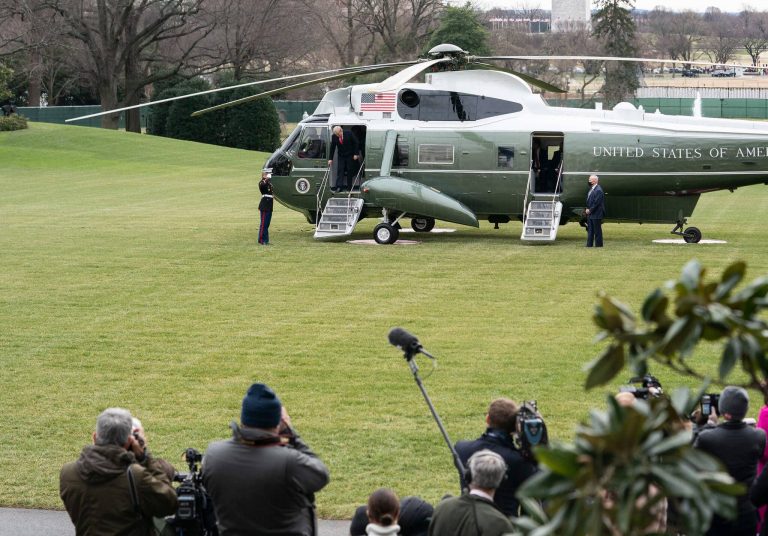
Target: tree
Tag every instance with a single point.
(613, 25)
(254, 125)
(755, 40)
(721, 43)
(461, 26)
(402, 26)
(5, 76)
(257, 35)
(703, 311)
(626, 459)
(676, 34)
(343, 29)
(126, 45)
(620, 468)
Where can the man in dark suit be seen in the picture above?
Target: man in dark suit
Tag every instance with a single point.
(501, 420)
(595, 213)
(348, 149)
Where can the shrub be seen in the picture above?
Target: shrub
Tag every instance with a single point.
(253, 125)
(13, 122)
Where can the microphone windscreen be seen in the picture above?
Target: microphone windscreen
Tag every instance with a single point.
(402, 339)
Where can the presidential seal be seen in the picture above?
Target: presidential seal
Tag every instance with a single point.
(302, 186)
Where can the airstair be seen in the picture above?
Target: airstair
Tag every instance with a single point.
(541, 218)
(339, 217)
(341, 213)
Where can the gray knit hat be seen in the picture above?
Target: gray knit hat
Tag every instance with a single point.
(735, 401)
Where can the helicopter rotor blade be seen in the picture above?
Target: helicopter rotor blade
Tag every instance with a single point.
(286, 88)
(398, 79)
(599, 58)
(382, 66)
(541, 84)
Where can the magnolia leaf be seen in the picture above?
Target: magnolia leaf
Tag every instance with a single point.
(670, 443)
(731, 355)
(676, 334)
(691, 340)
(691, 275)
(605, 367)
(559, 461)
(654, 306)
(672, 483)
(732, 276)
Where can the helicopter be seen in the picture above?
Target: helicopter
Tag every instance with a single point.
(466, 145)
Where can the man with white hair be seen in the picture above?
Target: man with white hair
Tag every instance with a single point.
(595, 213)
(345, 143)
(474, 514)
(116, 487)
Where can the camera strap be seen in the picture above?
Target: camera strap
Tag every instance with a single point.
(134, 493)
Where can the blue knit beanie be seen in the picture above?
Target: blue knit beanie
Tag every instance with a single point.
(261, 407)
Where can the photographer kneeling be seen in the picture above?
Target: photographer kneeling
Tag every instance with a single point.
(501, 420)
(263, 480)
(116, 487)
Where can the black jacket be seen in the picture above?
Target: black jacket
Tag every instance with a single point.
(266, 203)
(518, 468)
(348, 149)
(739, 447)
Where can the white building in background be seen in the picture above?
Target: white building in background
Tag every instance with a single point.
(567, 13)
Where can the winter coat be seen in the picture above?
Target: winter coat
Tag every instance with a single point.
(469, 515)
(97, 496)
(262, 487)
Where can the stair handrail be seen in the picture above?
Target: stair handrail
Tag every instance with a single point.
(357, 178)
(320, 196)
(555, 195)
(525, 200)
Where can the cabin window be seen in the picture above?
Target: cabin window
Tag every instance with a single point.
(400, 158)
(312, 144)
(435, 154)
(426, 105)
(505, 157)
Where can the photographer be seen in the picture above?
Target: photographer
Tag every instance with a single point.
(501, 421)
(738, 447)
(263, 480)
(116, 487)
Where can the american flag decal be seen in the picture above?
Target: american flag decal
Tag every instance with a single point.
(377, 102)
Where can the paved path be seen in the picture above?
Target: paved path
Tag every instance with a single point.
(21, 522)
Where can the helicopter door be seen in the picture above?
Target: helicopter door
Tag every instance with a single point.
(547, 162)
(354, 168)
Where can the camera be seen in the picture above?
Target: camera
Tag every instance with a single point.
(531, 429)
(194, 514)
(710, 402)
(650, 387)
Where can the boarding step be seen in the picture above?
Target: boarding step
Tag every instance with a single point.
(339, 217)
(543, 220)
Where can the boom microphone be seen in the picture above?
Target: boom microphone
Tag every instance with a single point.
(407, 342)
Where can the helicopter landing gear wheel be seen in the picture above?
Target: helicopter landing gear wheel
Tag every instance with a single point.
(692, 235)
(422, 225)
(385, 233)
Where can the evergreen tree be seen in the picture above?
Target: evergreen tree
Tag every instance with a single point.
(254, 125)
(461, 26)
(5, 77)
(614, 27)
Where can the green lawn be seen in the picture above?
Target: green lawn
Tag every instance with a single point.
(130, 276)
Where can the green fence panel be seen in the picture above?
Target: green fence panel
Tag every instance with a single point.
(293, 111)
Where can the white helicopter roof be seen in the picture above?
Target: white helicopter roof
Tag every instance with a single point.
(345, 106)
